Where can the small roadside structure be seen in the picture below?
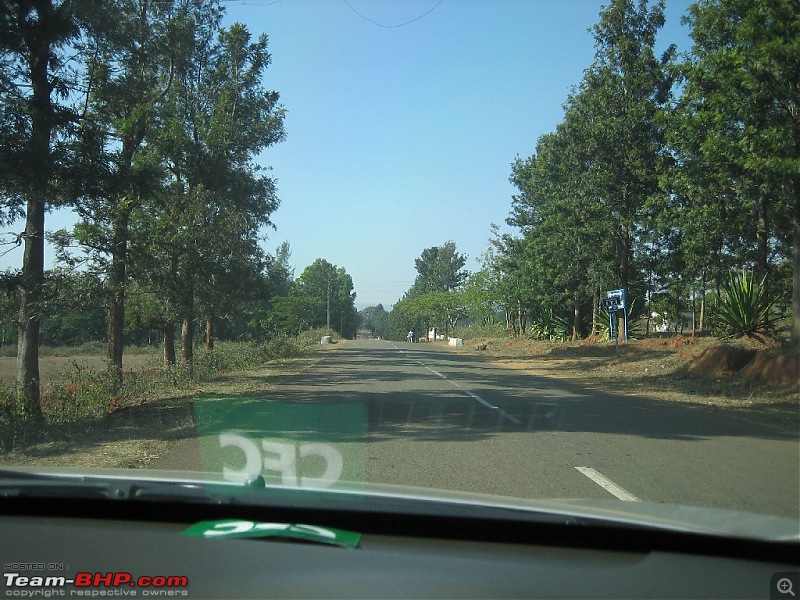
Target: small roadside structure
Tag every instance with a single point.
(455, 342)
(326, 339)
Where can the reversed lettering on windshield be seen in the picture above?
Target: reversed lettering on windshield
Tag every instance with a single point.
(285, 460)
(313, 445)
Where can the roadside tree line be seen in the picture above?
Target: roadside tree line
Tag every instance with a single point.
(666, 173)
(146, 119)
(674, 177)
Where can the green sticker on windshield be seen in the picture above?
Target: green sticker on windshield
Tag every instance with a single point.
(235, 528)
(296, 444)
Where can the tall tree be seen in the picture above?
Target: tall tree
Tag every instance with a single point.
(40, 100)
(618, 102)
(439, 269)
(132, 73)
(325, 292)
(568, 233)
(741, 104)
(218, 118)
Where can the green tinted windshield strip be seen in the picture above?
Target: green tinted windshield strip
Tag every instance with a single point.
(235, 528)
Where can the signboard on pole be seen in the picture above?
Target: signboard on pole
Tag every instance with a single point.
(616, 301)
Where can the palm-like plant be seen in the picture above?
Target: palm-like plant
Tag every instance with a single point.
(546, 325)
(745, 308)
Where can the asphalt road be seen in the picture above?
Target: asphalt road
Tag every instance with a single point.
(421, 415)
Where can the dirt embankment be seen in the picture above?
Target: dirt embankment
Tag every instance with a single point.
(776, 367)
(743, 374)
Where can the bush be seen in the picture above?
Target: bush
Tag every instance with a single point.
(745, 309)
(546, 325)
(83, 392)
(491, 329)
(15, 428)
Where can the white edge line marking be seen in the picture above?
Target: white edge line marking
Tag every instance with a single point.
(607, 484)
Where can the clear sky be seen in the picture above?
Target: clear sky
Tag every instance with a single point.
(401, 137)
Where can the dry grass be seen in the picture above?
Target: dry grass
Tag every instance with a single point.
(51, 368)
(135, 435)
(660, 369)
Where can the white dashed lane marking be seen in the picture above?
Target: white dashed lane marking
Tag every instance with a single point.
(608, 485)
(474, 396)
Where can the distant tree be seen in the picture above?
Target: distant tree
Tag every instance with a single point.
(375, 319)
(439, 269)
(279, 271)
(477, 295)
(323, 295)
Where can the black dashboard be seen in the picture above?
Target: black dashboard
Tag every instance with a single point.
(101, 549)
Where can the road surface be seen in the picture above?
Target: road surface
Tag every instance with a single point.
(421, 415)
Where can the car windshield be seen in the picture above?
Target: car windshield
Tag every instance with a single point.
(540, 250)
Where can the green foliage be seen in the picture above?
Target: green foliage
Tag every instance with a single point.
(745, 308)
(375, 319)
(322, 292)
(439, 269)
(490, 321)
(492, 329)
(547, 325)
(83, 393)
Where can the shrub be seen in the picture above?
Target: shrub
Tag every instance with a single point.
(546, 325)
(15, 428)
(83, 392)
(745, 309)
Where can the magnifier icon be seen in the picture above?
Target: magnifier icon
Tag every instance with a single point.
(785, 586)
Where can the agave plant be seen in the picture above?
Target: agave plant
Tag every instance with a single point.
(745, 309)
(546, 325)
(603, 328)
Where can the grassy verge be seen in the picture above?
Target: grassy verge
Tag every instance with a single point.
(85, 401)
(674, 369)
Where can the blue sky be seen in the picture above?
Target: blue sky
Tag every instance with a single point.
(401, 138)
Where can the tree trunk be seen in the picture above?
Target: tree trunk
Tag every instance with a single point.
(187, 339)
(595, 314)
(169, 345)
(795, 335)
(625, 262)
(649, 316)
(210, 330)
(38, 42)
(702, 302)
(762, 240)
(576, 318)
(187, 327)
(116, 313)
(30, 311)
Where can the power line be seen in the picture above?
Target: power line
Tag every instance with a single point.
(374, 22)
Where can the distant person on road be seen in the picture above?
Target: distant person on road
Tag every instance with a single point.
(410, 337)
